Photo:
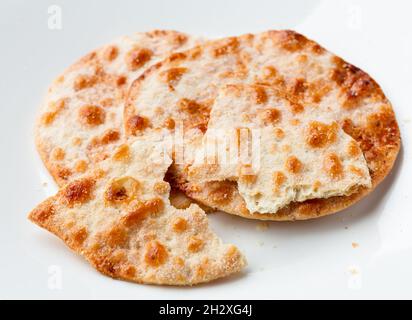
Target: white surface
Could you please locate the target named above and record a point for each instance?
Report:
(313, 259)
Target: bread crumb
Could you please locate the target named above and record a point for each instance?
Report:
(355, 245)
(44, 184)
(353, 271)
(262, 226)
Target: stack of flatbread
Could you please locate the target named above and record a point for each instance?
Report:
(147, 133)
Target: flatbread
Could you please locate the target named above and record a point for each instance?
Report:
(118, 216)
(183, 87)
(81, 121)
(275, 158)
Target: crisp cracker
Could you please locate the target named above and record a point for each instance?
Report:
(118, 216)
(186, 85)
(81, 121)
(275, 157)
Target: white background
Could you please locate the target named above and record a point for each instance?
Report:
(313, 259)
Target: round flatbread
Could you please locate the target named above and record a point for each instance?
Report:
(180, 92)
(81, 121)
(114, 207)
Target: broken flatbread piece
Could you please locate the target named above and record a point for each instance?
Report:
(286, 159)
(119, 218)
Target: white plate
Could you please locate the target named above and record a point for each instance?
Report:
(313, 259)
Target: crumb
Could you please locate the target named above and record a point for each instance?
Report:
(353, 271)
(355, 245)
(274, 247)
(44, 184)
(346, 228)
(262, 226)
(261, 243)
